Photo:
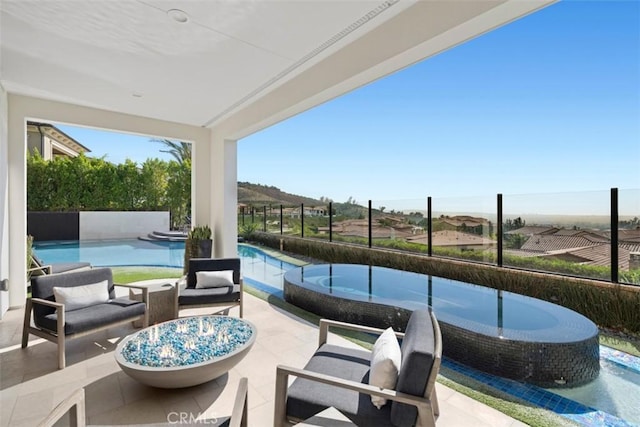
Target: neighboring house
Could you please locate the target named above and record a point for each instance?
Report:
(308, 211)
(51, 142)
(530, 230)
(579, 246)
(457, 239)
(467, 221)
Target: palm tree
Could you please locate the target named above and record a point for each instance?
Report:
(181, 151)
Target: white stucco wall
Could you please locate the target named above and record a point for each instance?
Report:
(121, 225)
(4, 194)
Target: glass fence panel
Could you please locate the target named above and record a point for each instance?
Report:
(465, 228)
(291, 220)
(350, 222)
(271, 223)
(566, 233)
(316, 221)
(400, 224)
(629, 236)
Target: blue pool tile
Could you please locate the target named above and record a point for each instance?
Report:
(567, 408)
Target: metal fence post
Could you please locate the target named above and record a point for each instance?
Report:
(429, 228)
(614, 236)
(281, 218)
(330, 221)
(301, 219)
(264, 218)
(370, 226)
(499, 230)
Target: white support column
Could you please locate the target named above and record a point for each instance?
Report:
(224, 195)
(17, 156)
(201, 183)
(4, 199)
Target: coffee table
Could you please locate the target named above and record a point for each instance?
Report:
(185, 352)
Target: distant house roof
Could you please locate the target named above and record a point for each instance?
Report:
(595, 255)
(554, 242)
(530, 230)
(59, 136)
(469, 221)
(624, 235)
(452, 238)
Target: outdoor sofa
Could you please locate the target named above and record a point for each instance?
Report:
(83, 312)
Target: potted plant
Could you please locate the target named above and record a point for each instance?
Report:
(198, 244)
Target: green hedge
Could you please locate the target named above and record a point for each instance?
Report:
(608, 305)
(89, 184)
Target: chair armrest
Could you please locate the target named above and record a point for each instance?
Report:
(326, 323)
(282, 372)
(181, 283)
(61, 321)
(74, 405)
(53, 304)
(240, 405)
(144, 289)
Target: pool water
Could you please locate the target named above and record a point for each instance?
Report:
(477, 308)
(111, 253)
(616, 391)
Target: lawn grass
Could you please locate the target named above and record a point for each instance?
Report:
(135, 274)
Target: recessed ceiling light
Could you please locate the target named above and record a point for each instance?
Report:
(178, 15)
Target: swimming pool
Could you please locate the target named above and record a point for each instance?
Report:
(257, 265)
(503, 333)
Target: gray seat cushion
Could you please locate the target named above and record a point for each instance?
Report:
(306, 398)
(417, 348)
(94, 316)
(222, 294)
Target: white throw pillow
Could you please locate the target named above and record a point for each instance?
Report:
(385, 364)
(76, 297)
(214, 279)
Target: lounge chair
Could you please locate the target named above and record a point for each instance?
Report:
(87, 307)
(223, 292)
(38, 267)
(338, 377)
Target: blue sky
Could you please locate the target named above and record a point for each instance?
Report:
(547, 104)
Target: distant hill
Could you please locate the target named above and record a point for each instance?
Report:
(257, 194)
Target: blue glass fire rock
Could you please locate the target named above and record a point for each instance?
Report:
(187, 341)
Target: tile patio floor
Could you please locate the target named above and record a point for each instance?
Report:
(31, 385)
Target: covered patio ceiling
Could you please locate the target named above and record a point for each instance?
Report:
(238, 66)
(210, 72)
